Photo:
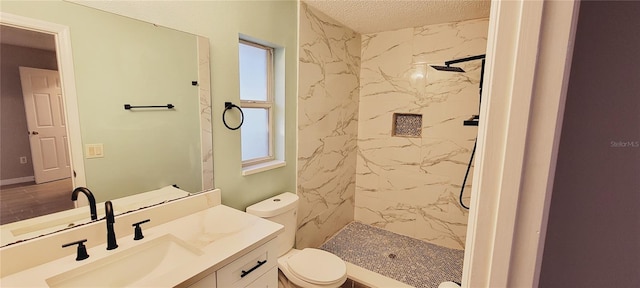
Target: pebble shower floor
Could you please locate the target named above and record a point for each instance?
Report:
(402, 258)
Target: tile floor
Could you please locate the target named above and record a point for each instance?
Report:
(29, 200)
(402, 258)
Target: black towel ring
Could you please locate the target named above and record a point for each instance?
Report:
(229, 106)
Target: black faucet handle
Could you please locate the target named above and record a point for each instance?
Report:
(138, 230)
(82, 250)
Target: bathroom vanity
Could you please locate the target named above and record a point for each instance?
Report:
(215, 246)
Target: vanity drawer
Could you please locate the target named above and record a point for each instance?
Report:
(249, 267)
(268, 280)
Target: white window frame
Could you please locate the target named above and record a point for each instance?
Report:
(267, 105)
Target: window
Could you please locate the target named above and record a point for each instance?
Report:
(256, 100)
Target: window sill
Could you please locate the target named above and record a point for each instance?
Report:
(253, 169)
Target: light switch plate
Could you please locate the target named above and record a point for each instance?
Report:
(94, 150)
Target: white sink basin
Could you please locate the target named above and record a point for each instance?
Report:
(130, 267)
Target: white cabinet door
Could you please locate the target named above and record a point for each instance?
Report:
(206, 282)
(268, 280)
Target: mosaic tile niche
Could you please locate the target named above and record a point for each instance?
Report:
(407, 125)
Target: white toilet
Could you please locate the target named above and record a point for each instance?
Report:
(309, 267)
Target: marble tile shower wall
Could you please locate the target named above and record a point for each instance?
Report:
(410, 186)
(329, 68)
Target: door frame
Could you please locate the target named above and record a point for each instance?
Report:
(529, 51)
(65, 68)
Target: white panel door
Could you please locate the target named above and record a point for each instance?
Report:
(44, 107)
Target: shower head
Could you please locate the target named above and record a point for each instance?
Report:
(447, 68)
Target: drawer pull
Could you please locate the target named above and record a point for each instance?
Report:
(245, 273)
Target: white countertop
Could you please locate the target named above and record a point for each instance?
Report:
(222, 233)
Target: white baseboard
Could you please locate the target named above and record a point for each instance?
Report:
(17, 180)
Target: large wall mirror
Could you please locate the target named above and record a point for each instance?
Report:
(117, 153)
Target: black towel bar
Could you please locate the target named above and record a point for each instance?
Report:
(129, 107)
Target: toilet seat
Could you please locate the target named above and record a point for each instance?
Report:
(317, 267)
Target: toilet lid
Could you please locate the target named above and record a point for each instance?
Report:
(317, 266)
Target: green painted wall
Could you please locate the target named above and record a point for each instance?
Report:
(222, 22)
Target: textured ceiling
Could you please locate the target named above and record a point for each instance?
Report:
(370, 16)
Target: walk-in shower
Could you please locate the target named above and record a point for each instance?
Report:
(473, 121)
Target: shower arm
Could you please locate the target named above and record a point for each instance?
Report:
(471, 58)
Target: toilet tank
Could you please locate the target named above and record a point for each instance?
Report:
(282, 209)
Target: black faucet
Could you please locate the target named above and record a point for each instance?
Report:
(92, 200)
(110, 219)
